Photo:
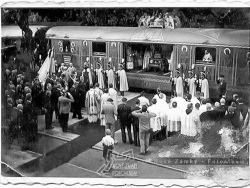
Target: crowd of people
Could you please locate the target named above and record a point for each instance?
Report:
(63, 91)
(55, 93)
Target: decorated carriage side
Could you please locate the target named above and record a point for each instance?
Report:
(151, 55)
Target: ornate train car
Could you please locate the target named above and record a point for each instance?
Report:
(150, 54)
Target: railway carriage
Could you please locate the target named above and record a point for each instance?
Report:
(149, 53)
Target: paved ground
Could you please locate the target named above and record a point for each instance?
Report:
(78, 154)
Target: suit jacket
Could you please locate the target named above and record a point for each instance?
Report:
(110, 111)
(124, 113)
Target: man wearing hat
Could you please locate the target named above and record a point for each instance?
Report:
(222, 86)
(204, 85)
(124, 115)
(178, 83)
(191, 83)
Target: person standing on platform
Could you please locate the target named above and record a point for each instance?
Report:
(204, 85)
(113, 94)
(108, 145)
(222, 86)
(192, 83)
(111, 76)
(92, 105)
(100, 79)
(123, 82)
(104, 99)
(49, 110)
(99, 93)
(124, 115)
(64, 105)
(135, 123)
(77, 105)
(83, 86)
(178, 83)
(174, 119)
(144, 127)
(109, 110)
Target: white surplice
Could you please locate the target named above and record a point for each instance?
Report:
(123, 80)
(205, 88)
(113, 95)
(188, 128)
(179, 85)
(192, 86)
(174, 119)
(99, 74)
(154, 121)
(111, 77)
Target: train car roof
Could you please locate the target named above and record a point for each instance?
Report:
(14, 31)
(198, 36)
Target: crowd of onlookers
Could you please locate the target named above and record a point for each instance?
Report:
(196, 17)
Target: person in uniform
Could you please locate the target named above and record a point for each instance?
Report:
(204, 85)
(222, 86)
(178, 81)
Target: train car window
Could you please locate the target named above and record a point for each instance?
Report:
(66, 46)
(151, 58)
(99, 48)
(205, 55)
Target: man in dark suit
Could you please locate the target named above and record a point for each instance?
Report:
(135, 123)
(222, 86)
(77, 105)
(124, 115)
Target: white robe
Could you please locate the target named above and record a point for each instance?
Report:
(123, 80)
(100, 78)
(92, 105)
(174, 120)
(188, 128)
(192, 86)
(194, 100)
(157, 97)
(164, 110)
(90, 76)
(154, 121)
(181, 103)
(111, 77)
(179, 85)
(113, 95)
(205, 88)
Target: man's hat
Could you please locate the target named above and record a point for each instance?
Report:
(177, 71)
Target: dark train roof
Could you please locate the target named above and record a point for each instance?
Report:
(197, 36)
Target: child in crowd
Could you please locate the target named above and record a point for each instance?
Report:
(108, 145)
